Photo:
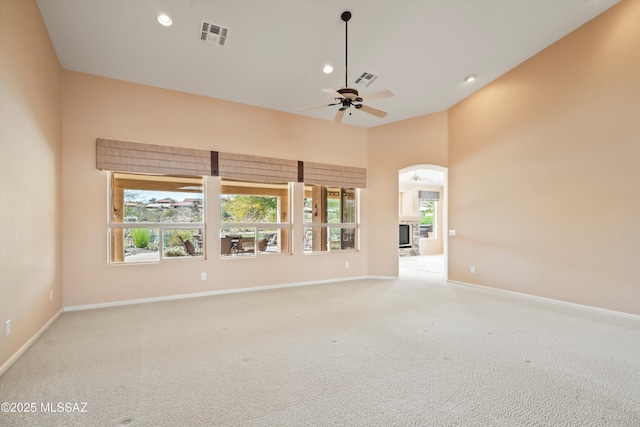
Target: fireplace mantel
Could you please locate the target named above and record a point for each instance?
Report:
(406, 219)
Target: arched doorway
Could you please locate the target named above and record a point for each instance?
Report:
(422, 219)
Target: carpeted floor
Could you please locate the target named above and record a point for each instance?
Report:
(409, 352)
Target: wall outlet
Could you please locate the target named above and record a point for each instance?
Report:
(203, 276)
(7, 328)
(51, 295)
(472, 268)
(346, 264)
(452, 232)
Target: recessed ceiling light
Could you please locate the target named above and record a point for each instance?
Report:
(164, 20)
(470, 78)
(327, 69)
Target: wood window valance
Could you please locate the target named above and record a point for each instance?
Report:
(124, 156)
(257, 169)
(335, 176)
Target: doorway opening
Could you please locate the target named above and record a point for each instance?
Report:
(422, 219)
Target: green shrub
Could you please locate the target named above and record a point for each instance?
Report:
(172, 237)
(427, 220)
(174, 251)
(141, 237)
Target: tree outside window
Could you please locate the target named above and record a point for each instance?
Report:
(254, 218)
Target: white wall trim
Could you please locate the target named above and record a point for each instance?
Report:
(6, 365)
(207, 294)
(383, 277)
(551, 301)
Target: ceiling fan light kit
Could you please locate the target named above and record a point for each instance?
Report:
(348, 97)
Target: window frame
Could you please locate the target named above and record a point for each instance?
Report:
(355, 226)
(161, 227)
(433, 234)
(282, 224)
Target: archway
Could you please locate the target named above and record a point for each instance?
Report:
(422, 218)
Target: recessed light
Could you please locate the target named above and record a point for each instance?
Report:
(165, 20)
(327, 69)
(470, 78)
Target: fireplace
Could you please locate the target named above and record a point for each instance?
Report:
(405, 233)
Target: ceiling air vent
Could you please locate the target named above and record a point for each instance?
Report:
(214, 34)
(366, 79)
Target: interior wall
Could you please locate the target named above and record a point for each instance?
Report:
(421, 140)
(30, 176)
(96, 107)
(544, 171)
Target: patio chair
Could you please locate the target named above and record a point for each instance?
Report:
(188, 246)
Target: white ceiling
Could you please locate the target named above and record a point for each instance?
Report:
(276, 49)
(420, 177)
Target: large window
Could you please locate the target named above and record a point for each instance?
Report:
(155, 217)
(428, 218)
(254, 219)
(429, 213)
(330, 218)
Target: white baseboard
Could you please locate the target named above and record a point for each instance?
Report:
(383, 277)
(6, 365)
(206, 294)
(551, 301)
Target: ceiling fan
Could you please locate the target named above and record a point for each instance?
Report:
(347, 97)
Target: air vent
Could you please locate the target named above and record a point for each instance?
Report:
(214, 34)
(366, 79)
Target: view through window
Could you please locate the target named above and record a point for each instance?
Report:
(254, 218)
(428, 213)
(330, 217)
(155, 217)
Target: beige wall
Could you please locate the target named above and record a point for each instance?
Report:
(96, 107)
(30, 175)
(418, 141)
(544, 171)
(543, 177)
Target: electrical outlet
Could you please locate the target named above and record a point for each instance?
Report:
(7, 328)
(203, 276)
(346, 264)
(472, 268)
(51, 295)
(452, 232)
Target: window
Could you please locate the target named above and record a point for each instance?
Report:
(254, 219)
(330, 218)
(427, 218)
(428, 213)
(155, 217)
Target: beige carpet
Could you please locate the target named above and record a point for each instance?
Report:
(411, 352)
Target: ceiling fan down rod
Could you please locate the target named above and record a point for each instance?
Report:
(346, 15)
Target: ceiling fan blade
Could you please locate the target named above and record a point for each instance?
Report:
(317, 106)
(338, 116)
(374, 111)
(333, 93)
(376, 95)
